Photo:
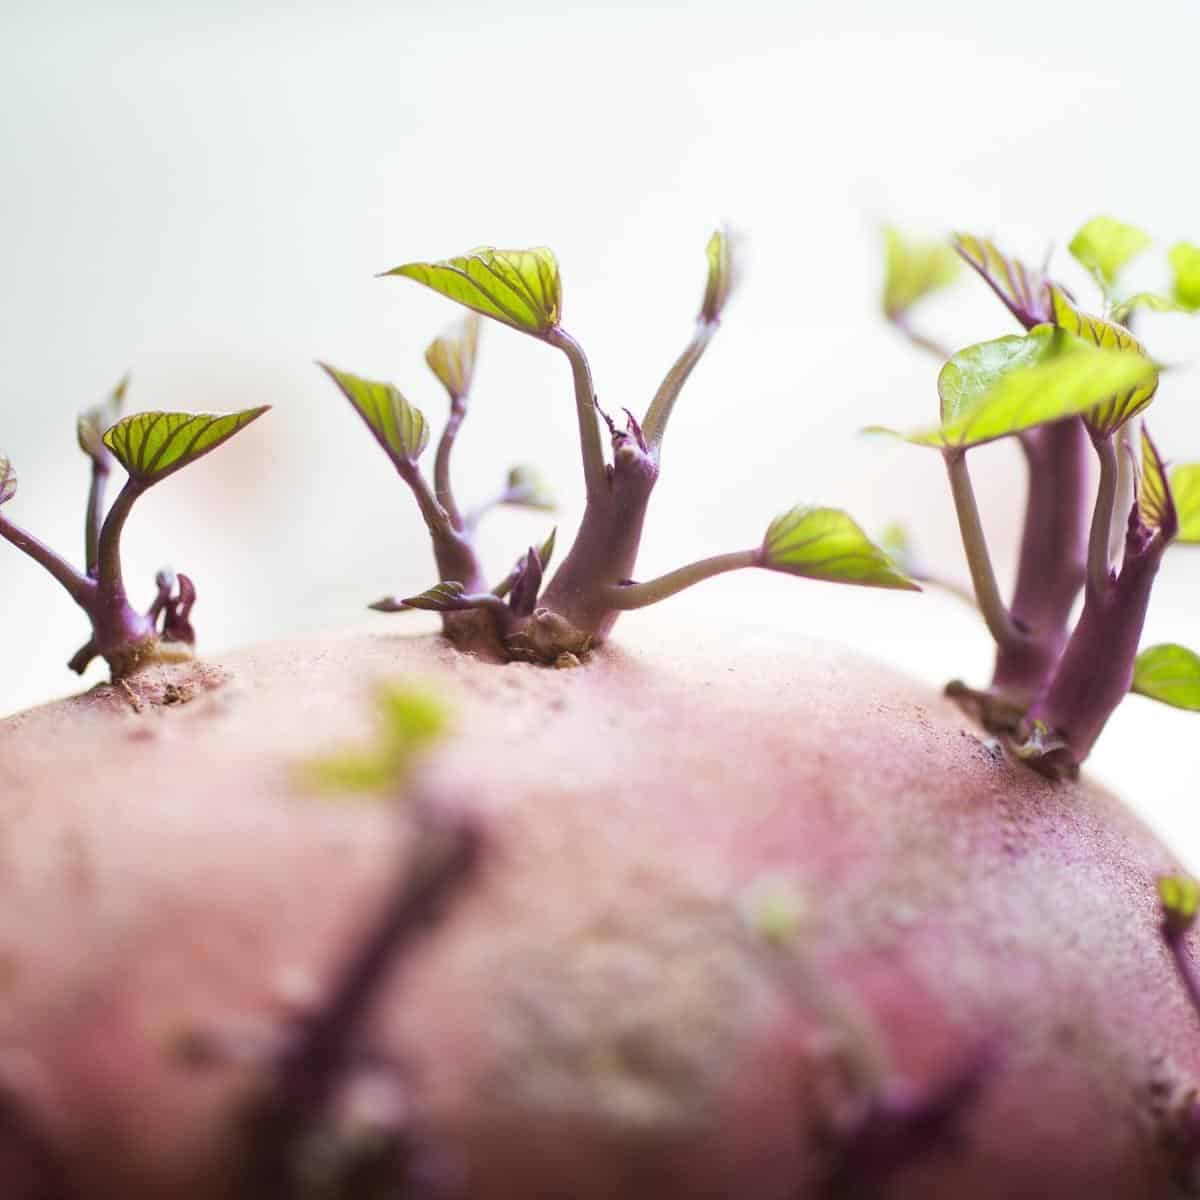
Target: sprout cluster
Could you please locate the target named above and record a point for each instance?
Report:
(1070, 381)
(529, 615)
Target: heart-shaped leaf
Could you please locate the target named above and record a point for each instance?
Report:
(92, 423)
(1104, 245)
(398, 427)
(8, 481)
(1185, 265)
(724, 273)
(519, 287)
(1155, 503)
(914, 269)
(442, 597)
(1185, 487)
(153, 445)
(451, 357)
(825, 543)
(1124, 402)
(999, 388)
(1025, 292)
(1170, 674)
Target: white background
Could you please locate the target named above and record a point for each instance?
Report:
(203, 194)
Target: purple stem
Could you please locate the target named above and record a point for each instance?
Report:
(443, 492)
(1053, 559)
(95, 517)
(1096, 669)
(116, 624)
(81, 589)
(1188, 974)
(315, 1062)
(452, 549)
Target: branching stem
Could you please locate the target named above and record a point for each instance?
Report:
(654, 425)
(983, 578)
(82, 591)
(1102, 516)
(637, 595)
(591, 445)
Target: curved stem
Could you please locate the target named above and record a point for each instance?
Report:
(81, 590)
(987, 592)
(928, 344)
(112, 585)
(95, 518)
(1102, 516)
(441, 463)
(594, 474)
(637, 595)
(659, 413)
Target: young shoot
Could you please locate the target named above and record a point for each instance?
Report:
(150, 446)
(1070, 382)
(530, 616)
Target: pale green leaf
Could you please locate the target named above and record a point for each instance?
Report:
(1148, 300)
(1169, 674)
(411, 721)
(519, 287)
(442, 597)
(1156, 506)
(724, 273)
(1185, 486)
(1180, 897)
(1126, 401)
(153, 445)
(914, 269)
(1104, 245)
(1185, 264)
(451, 357)
(8, 481)
(93, 422)
(999, 388)
(398, 427)
(526, 488)
(1024, 291)
(825, 543)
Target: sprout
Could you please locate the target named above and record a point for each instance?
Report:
(1070, 381)
(150, 446)
(530, 615)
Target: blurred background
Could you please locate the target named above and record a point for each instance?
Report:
(203, 194)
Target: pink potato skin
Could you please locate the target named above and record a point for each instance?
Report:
(602, 1013)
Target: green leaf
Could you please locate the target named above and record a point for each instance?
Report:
(442, 597)
(1150, 300)
(1185, 263)
(999, 388)
(153, 445)
(1024, 291)
(825, 543)
(1185, 486)
(1180, 898)
(1156, 505)
(724, 273)
(8, 481)
(1103, 246)
(1127, 400)
(451, 357)
(546, 549)
(92, 423)
(1169, 674)
(519, 287)
(410, 722)
(527, 489)
(913, 270)
(398, 427)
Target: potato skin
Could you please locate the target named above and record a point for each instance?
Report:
(610, 1009)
